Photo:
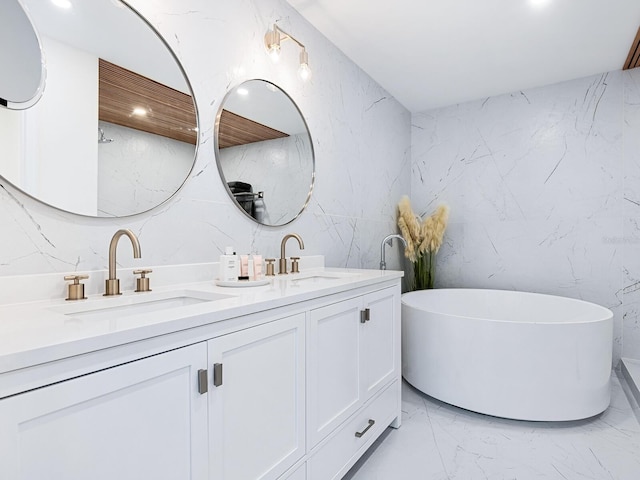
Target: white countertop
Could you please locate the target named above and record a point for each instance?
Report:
(43, 331)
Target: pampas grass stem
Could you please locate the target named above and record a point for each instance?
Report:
(424, 239)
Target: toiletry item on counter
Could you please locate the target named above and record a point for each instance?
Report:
(244, 267)
(257, 267)
(228, 269)
(250, 268)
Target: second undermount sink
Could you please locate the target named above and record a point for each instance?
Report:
(319, 277)
(136, 304)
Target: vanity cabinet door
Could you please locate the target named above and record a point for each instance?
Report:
(333, 353)
(353, 352)
(141, 420)
(257, 400)
(380, 340)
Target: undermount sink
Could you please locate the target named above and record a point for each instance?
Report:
(319, 277)
(136, 304)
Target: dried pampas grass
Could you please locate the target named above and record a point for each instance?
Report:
(438, 225)
(409, 228)
(424, 239)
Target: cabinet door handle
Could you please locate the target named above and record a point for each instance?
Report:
(365, 315)
(371, 424)
(217, 374)
(203, 379)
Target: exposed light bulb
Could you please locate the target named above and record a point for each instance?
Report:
(272, 42)
(539, 3)
(274, 52)
(304, 72)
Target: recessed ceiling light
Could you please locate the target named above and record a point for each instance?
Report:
(141, 112)
(62, 3)
(242, 91)
(539, 3)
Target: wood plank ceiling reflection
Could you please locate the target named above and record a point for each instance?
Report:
(170, 113)
(237, 130)
(633, 59)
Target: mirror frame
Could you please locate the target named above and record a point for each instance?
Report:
(217, 153)
(134, 11)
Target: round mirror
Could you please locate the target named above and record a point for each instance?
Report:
(23, 70)
(265, 153)
(115, 130)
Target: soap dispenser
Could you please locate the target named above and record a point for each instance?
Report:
(228, 267)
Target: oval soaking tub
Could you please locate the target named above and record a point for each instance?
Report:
(509, 354)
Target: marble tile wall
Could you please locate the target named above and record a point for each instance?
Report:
(544, 189)
(361, 140)
(631, 226)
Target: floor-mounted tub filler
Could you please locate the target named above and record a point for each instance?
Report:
(516, 355)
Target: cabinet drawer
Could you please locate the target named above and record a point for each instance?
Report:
(342, 449)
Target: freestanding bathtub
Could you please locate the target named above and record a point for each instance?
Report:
(517, 355)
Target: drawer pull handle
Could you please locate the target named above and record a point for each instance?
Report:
(371, 424)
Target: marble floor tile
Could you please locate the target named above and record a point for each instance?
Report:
(441, 442)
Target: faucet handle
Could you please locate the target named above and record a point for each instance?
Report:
(270, 267)
(142, 283)
(294, 265)
(76, 289)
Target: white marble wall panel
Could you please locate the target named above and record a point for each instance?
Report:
(361, 140)
(535, 184)
(631, 239)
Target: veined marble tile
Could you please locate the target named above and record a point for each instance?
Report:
(631, 144)
(631, 291)
(547, 153)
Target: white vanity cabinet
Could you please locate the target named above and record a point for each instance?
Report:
(353, 352)
(257, 401)
(297, 389)
(141, 420)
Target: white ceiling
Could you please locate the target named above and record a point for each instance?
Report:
(429, 53)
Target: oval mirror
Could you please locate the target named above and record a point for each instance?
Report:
(23, 86)
(115, 131)
(265, 153)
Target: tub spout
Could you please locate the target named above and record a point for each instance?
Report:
(388, 240)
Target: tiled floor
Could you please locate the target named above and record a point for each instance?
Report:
(441, 442)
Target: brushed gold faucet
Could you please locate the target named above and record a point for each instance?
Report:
(282, 270)
(112, 285)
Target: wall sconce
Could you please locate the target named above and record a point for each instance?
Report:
(272, 41)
